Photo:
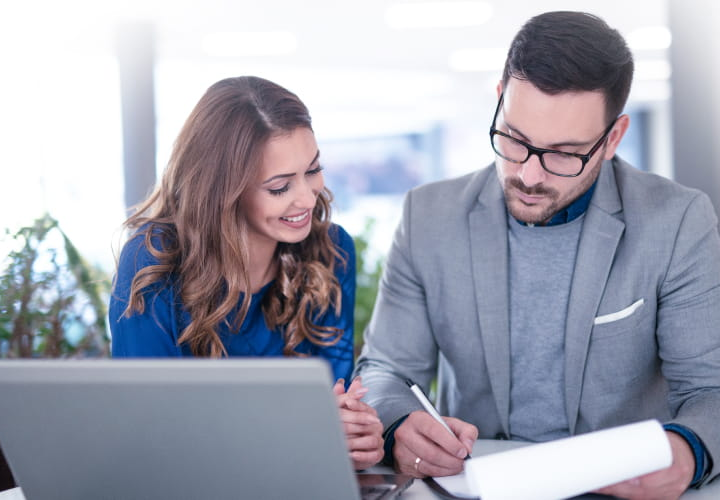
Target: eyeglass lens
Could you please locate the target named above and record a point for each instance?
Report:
(556, 162)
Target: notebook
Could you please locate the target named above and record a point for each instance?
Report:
(265, 428)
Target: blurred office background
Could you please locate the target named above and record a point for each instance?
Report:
(93, 94)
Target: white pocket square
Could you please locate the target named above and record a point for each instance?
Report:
(624, 313)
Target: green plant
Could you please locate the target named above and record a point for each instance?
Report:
(368, 280)
(52, 303)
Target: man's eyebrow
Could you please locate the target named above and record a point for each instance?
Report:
(285, 176)
(556, 145)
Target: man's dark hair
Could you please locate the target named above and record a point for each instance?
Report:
(572, 51)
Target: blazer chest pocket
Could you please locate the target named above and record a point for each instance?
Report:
(619, 322)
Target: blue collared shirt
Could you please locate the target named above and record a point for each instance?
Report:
(703, 462)
(572, 211)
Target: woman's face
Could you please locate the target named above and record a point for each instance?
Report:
(280, 204)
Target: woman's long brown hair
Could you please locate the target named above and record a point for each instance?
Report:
(193, 223)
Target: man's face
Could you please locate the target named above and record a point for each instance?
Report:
(571, 122)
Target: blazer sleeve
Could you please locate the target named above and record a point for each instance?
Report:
(399, 342)
(688, 327)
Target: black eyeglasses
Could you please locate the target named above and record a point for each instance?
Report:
(553, 161)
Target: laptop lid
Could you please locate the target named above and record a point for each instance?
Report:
(191, 428)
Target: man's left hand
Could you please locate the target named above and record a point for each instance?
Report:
(665, 484)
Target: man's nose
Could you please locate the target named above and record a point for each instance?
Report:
(532, 172)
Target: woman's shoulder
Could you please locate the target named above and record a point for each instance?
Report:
(346, 247)
(139, 251)
(341, 238)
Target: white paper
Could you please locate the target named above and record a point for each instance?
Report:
(570, 466)
(12, 494)
(456, 485)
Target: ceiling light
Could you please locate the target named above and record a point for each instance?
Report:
(650, 38)
(257, 43)
(438, 14)
(477, 59)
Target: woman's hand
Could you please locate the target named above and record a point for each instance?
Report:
(363, 429)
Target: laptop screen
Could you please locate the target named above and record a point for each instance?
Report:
(190, 428)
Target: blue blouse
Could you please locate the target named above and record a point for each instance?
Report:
(155, 332)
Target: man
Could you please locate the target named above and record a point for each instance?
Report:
(561, 291)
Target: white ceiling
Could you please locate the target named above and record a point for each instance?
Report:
(349, 61)
(350, 67)
(341, 33)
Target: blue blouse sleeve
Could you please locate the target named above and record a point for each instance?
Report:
(341, 355)
(153, 333)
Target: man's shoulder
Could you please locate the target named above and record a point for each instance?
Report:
(648, 197)
(630, 179)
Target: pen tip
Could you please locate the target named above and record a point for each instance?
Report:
(409, 382)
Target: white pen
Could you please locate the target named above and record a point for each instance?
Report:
(420, 395)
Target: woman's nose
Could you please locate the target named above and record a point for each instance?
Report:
(306, 196)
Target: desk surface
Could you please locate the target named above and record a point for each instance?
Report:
(421, 491)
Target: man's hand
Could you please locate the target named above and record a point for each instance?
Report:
(363, 429)
(423, 447)
(665, 484)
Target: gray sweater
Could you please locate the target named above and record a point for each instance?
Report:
(541, 261)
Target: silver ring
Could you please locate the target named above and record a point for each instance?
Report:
(417, 462)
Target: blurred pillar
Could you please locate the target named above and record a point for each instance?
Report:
(136, 60)
(695, 60)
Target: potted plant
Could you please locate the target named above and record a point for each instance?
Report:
(52, 303)
(368, 280)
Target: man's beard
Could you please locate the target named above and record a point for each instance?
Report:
(547, 193)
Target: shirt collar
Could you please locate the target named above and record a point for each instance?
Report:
(572, 211)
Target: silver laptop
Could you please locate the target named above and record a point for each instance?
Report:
(181, 429)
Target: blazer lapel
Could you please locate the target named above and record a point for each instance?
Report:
(488, 247)
(600, 235)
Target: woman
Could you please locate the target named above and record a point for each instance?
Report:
(234, 255)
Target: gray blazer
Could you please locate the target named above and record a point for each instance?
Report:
(642, 338)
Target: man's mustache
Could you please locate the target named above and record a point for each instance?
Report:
(531, 191)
